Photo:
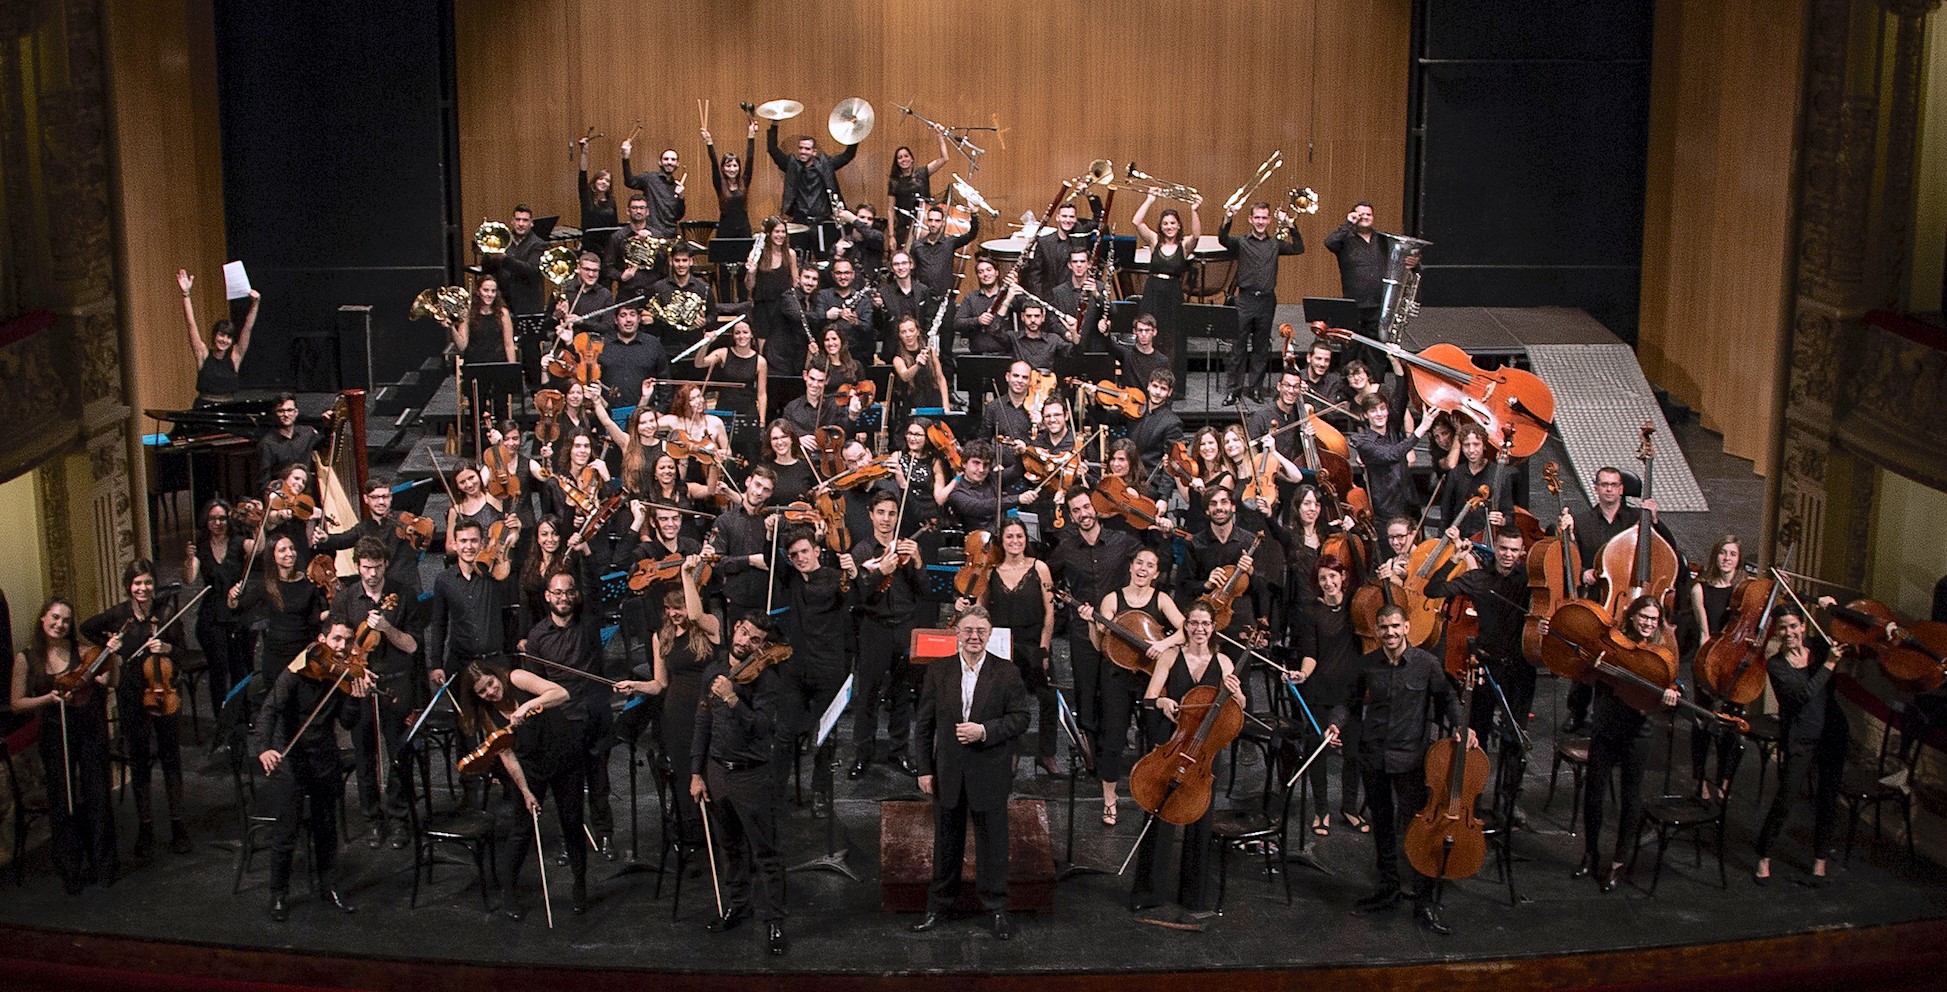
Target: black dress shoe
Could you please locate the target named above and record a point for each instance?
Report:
(821, 807)
(581, 896)
(280, 908)
(605, 846)
(1609, 880)
(336, 901)
(1377, 900)
(927, 922)
(1003, 926)
(857, 770)
(728, 921)
(513, 911)
(906, 765)
(1230, 398)
(179, 838)
(399, 838)
(778, 944)
(144, 841)
(1429, 919)
(375, 839)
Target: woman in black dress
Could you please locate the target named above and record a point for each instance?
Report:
(73, 733)
(834, 358)
(1616, 743)
(1329, 660)
(597, 204)
(732, 184)
(217, 380)
(1710, 599)
(544, 761)
(1121, 688)
(217, 556)
(770, 273)
(689, 639)
(128, 629)
(285, 598)
(1813, 731)
(1021, 598)
(1169, 261)
(1198, 664)
(783, 454)
(739, 364)
(918, 380)
(917, 468)
(485, 334)
(908, 184)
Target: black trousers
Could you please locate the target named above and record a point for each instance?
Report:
(82, 842)
(1346, 757)
(1825, 762)
(223, 647)
(1085, 663)
(1250, 350)
(1122, 691)
(807, 691)
(1031, 661)
(1196, 876)
(386, 724)
(886, 681)
(517, 824)
(1606, 755)
(307, 774)
(950, 816)
(151, 739)
(597, 736)
(744, 816)
(1729, 744)
(1391, 798)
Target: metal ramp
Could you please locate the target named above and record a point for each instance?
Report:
(1601, 402)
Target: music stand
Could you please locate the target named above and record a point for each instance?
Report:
(975, 375)
(1122, 317)
(725, 251)
(1088, 366)
(1334, 311)
(544, 226)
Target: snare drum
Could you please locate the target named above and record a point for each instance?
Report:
(1005, 249)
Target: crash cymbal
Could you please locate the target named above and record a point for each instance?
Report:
(779, 110)
(850, 121)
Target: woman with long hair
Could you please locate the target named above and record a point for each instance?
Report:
(545, 761)
(292, 607)
(1170, 248)
(667, 489)
(473, 502)
(74, 735)
(1021, 598)
(217, 555)
(1709, 600)
(918, 378)
(834, 356)
(486, 332)
(770, 275)
(1814, 737)
(551, 554)
(783, 454)
(689, 639)
(732, 184)
(129, 629)
(1121, 688)
(739, 364)
(909, 184)
(917, 468)
(597, 204)
(217, 379)
(1616, 745)
(689, 418)
(1328, 653)
(641, 442)
(1199, 663)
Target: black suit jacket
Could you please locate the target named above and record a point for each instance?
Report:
(1000, 704)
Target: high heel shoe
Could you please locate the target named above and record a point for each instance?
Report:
(1108, 813)
(1582, 870)
(1609, 880)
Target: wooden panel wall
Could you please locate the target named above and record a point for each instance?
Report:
(162, 75)
(1194, 93)
(1717, 222)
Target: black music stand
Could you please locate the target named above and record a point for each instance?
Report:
(495, 385)
(1122, 317)
(1334, 311)
(976, 375)
(544, 226)
(725, 251)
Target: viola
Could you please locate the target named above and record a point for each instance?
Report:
(983, 555)
(940, 436)
(300, 505)
(1115, 497)
(1228, 583)
(574, 494)
(322, 664)
(598, 519)
(1913, 655)
(746, 671)
(865, 392)
(705, 450)
(1174, 780)
(582, 362)
(248, 514)
(852, 478)
(1126, 400)
(1554, 574)
(831, 450)
(498, 541)
(1638, 561)
(1446, 379)
(838, 537)
(1583, 644)
(1181, 465)
(548, 406)
(503, 476)
(654, 571)
(479, 761)
(1043, 467)
(1445, 839)
(323, 573)
(78, 681)
(365, 638)
(417, 531)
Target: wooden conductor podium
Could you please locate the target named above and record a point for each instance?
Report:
(906, 858)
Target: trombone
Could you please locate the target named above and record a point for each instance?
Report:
(1244, 192)
(1100, 173)
(1142, 182)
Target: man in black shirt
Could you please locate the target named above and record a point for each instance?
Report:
(584, 296)
(665, 193)
(1089, 561)
(1500, 599)
(681, 261)
(1009, 418)
(465, 621)
(1608, 517)
(630, 279)
(743, 545)
(1392, 693)
(402, 568)
(814, 409)
(1222, 543)
(1052, 251)
(1317, 377)
(632, 356)
(905, 296)
(390, 610)
(1034, 345)
(787, 350)
(810, 177)
(572, 640)
(1257, 296)
(818, 625)
(1078, 304)
(740, 726)
(1135, 362)
(1287, 406)
(973, 499)
(1386, 457)
(1362, 264)
(975, 319)
(309, 768)
(518, 268)
(289, 443)
(848, 307)
(860, 241)
(886, 620)
(1159, 426)
(933, 261)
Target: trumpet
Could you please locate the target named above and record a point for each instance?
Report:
(1142, 182)
(492, 237)
(1244, 192)
(558, 265)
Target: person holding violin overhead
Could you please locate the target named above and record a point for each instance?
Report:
(1813, 730)
(151, 733)
(1020, 596)
(402, 538)
(1122, 682)
(566, 645)
(1328, 653)
(891, 586)
(387, 613)
(74, 738)
(970, 711)
(544, 760)
(1616, 743)
(1390, 697)
(217, 380)
(739, 731)
(296, 744)
(283, 596)
(1199, 663)
(1710, 600)
(287, 443)
(682, 648)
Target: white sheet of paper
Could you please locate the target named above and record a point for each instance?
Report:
(236, 282)
(837, 708)
(1000, 643)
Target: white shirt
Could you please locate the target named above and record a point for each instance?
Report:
(969, 674)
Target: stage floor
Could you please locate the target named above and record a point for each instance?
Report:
(836, 927)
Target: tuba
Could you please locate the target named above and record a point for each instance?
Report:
(492, 237)
(446, 304)
(1399, 298)
(558, 265)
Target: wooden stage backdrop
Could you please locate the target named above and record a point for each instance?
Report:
(1193, 93)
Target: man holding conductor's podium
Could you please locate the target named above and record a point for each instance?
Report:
(971, 708)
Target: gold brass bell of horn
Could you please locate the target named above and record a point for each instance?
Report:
(558, 265)
(447, 303)
(492, 237)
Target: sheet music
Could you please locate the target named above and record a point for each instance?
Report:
(236, 282)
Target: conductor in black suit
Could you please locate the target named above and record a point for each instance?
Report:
(970, 712)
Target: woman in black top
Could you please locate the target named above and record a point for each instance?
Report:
(82, 845)
(1121, 688)
(782, 453)
(1021, 598)
(1170, 248)
(544, 761)
(732, 184)
(1198, 664)
(1329, 653)
(551, 553)
(291, 479)
(217, 556)
(291, 605)
(688, 641)
(128, 629)
(217, 379)
(739, 363)
(1709, 599)
(834, 357)
(917, 468)
(485, 334)
(1616, 742)
(597, 204)
(1474, 469)
(771, 272)
(918, 379)
(1813, 732)
(909, 183)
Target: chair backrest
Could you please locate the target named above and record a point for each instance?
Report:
(403, 762)
(1286, 757)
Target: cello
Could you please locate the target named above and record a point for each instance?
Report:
(1127, 637)
(1423, 614)
(1518, 517)
(1912, 655)
(1583, 644)
(1554, 574)
(1732, 664)
(1174, 780)
(1446, 379)
(1445, 839)
(1638, 561)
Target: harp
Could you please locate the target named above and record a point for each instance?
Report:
(341, 469)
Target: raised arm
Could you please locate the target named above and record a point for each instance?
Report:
(243, 336)
(1141, 220)
(937, 164)
(196, 346)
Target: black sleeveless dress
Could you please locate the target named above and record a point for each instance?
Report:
(680, 698)
(216, 379)
(743, 372)
(1021, 610)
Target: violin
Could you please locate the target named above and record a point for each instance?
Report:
(852, 478)
(582, 362)
(498, 541)
(548, 406)
(1912, 655)
(795, 512)
(940, 436)
(599, 518)
(1445, 839)
(1043, 467)
(683, 446)
(365, 638)
(503, 477)
(838, 537)
(831, 450)
(1638, 561)
(1583, 644)
(479, 761)
(654, 571)
(1115, 497)
(323, 573)
(1446, 379)
(1174, 780)
(300, 505)
(1554, 574)
(865, 392)
(1182, 466)
(1127, 637)
(322, 664)
(248, 514)
(983, 555)
(746, 671)
(1126, 400)
(1263, 486)
(417, 531)
(576, 496)
(1041, 385)
(1227, 584)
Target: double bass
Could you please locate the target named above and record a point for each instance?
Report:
(1638, 561)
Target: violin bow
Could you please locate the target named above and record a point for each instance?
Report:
(1255, 653)
(67, 759)
(710, 850)
(1780, 574)
(315, 710)
(1331, 735)
(559, 667)
(541, 858)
